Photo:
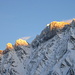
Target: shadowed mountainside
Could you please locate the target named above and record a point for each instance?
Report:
(50, 53)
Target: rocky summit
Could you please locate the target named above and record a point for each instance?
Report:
(50, 53)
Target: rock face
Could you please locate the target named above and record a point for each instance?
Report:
(50, 53)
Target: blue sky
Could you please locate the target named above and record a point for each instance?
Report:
(23, 18)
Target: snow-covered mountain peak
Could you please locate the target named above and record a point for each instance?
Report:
(50, 53)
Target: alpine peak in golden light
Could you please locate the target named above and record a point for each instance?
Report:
(21, 42)
(9, 46)
(58, 25)
(1, 51)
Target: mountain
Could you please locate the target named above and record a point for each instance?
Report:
(50, 53)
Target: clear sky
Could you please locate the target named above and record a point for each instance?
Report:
(23, 18)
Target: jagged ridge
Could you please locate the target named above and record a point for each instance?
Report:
(50, 53)
(9, 46)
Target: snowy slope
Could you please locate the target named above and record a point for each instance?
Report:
(50, 53)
